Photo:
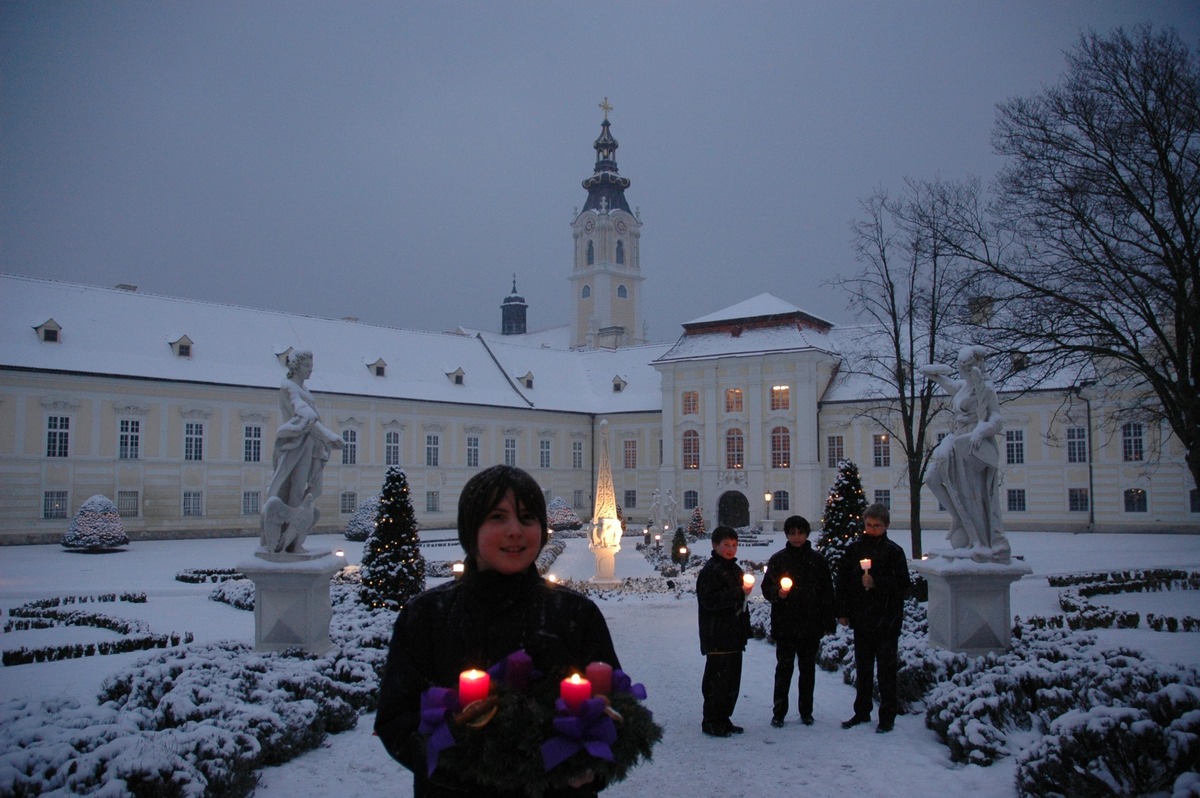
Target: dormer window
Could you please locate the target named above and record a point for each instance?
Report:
(527, 380)
(49, 332)
(378, 368)
(457, 376)
(618, 384)
(182, 347)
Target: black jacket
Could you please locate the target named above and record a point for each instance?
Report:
(724, 622)
(474, 623)
(807, 611)
(880, 609)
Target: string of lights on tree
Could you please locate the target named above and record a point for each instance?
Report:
(842, 520)
(393, 568)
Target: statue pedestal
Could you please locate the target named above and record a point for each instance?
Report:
(291, 599)
(969, 609)
(606, 542)
(768, 526)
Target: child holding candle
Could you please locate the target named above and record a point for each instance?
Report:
(871, 601)
(800, 589)
(724, 629)
(499, 606)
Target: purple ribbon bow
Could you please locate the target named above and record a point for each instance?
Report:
(436, 705)
(623, 684)
(589, 729)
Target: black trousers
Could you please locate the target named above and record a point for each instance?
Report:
(720, 686)
(787, 654)
(876, 650)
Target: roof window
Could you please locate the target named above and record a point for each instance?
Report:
(49, 332)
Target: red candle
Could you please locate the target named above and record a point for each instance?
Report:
(574, 691)
(473, 685)
(785, 583)
(748, 580)
(600, 675)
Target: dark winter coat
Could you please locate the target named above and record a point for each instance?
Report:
(724, 621)
(807, 611)
(880, 609)
(474, 623)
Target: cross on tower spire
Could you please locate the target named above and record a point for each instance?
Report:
(604, 106)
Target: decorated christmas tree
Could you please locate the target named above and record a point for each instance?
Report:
(393, 568)
(695, 527)
(96, 527)
(842, 520)
(363, 520)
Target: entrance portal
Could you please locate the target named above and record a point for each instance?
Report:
(733, 509)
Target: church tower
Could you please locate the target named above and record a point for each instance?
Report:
(512, 312)
(606, 281)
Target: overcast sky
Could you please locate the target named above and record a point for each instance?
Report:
(399, 161)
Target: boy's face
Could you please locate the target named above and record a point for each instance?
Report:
(727, 548)
(874, 527)
(796, 537)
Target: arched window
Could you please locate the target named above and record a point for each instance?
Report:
(783, 501)
(691, 449)
(734, 449)
(781, 448)
(587, 291)
(622, 292)
(620, 252)
(591, 258)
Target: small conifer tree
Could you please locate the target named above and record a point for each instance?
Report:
(96, 527)
(677, 543)
(842, 520)
(393, 568)
(560, 516)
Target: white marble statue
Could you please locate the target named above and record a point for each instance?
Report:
(965, 472)
(670, 520)
(302, 446)
(655, 511)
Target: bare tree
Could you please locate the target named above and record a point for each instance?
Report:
(1092, 241)
(906, 292)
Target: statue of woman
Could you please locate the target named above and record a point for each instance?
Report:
(965, 472)
(302, 446)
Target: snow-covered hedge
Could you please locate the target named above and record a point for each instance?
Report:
(96, 527)
(196, 720)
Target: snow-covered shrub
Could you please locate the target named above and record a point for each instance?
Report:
(362, 523)
(561, 516)
(96, 527)
(1116, 750)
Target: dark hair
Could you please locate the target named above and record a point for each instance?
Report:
(723, 533)
(879, 512)
(797, 522)
(484, 491)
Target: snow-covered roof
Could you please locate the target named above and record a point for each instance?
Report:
(129, 333)
(762, 305)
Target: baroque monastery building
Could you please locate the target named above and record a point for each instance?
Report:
(169, 407)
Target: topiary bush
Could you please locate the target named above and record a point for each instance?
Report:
(561, 517)
(97, 527)
(362, 523)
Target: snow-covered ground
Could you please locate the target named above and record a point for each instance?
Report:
(656, 640)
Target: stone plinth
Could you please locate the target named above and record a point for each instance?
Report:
(291, 599)
(768, 526)
(969, 608)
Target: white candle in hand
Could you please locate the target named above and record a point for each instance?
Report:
(865, 564)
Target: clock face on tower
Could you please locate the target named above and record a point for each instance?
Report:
(589, 226)
(621, 227)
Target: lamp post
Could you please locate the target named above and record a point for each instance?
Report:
(767, 499)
